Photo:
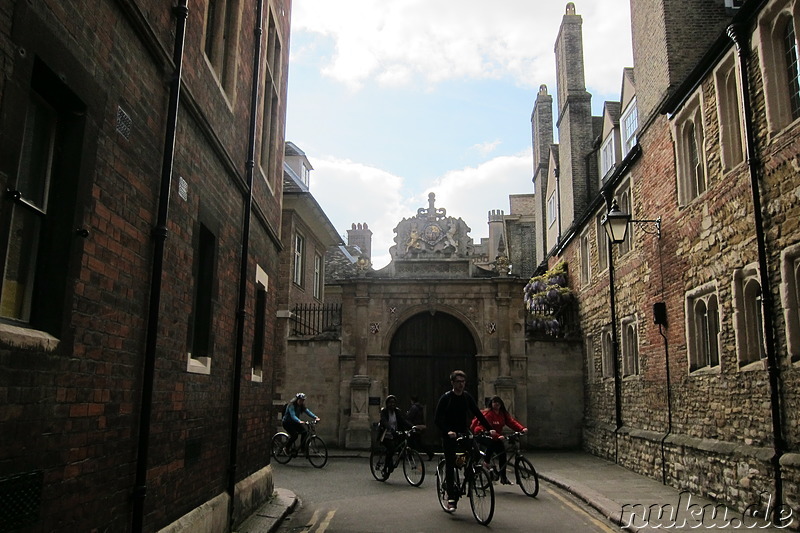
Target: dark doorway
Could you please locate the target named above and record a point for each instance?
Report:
(424, 350)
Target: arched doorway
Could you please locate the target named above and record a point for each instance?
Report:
(423, 352)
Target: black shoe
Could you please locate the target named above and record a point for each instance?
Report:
(430, 456)
(505, 481)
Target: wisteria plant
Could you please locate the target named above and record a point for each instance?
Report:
(547, 300)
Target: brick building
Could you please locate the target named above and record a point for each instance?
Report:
(691, 370)
(141, 148)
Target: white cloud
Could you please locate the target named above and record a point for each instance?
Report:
(407, 41)
(352, 192)
(487, 148)
(355, 193)
(470, 193)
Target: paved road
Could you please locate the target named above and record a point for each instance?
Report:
(343, 497)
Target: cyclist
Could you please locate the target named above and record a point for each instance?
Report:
(498, 417)
(292, 422)
(454, 411)
(392, 421)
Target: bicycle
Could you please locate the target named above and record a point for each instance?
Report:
(413, 465)
(470, 478)
(524, 472)
(315, 449)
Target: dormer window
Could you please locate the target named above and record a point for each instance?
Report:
(630, 123)
(607, 156)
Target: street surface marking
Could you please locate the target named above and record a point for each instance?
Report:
(603, 526)
(322, 525)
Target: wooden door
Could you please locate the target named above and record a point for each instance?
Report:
(424, 350)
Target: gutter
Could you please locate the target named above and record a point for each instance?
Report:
(159, 236)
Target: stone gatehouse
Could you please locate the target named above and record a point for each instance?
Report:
(440, 304)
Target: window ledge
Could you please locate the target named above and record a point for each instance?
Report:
(26, 338)
(199, 365)
(761, 364)
(256, 375)
(704, 371)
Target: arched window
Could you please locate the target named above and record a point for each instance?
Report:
(703, 332)
(754, 322)
(690, 151)
(630, 347)
(608, 355)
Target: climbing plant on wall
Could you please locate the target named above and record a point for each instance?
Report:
(549, 302)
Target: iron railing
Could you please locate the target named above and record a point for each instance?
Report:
(316, 319)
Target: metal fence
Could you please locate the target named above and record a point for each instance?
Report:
(316, 319)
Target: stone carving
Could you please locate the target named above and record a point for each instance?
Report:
(431, 234)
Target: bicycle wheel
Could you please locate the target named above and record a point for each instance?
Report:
(481, 496)
(376, 463)
(441, 490)
(413, 467)
(317, 452)
(278, 448)
(527, 478)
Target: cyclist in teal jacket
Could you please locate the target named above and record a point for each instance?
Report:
(292, 422)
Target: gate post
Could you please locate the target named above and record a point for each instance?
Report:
(357, 434)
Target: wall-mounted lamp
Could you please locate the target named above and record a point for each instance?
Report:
(616, 224)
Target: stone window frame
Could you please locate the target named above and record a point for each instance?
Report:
(589, 348)
(298, 265)
(268, 154)
(731, 138)
(552, 209)
(608, 156)
(698, 351)
(790, 299)
(586, 258)
(607, 351)
(318, 271)
(688, 132)
(771, 25)
(630, 117)
(259, 325)
(221, 42)
(748, 322)
(629, 333)
(602, 243)
(199, 356)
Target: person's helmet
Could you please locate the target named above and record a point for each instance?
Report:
(300, 396)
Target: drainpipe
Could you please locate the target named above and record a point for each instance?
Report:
(241, 313)
(738, 36)
(159, 236)
(556, 173)
(669, 403)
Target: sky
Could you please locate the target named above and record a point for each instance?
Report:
(393, 99)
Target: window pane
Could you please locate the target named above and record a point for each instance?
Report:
(37, 151)
(15, 301)
(790, 53)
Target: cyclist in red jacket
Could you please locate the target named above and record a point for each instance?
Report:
(498, 417)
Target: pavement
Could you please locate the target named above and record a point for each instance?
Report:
(627, 499)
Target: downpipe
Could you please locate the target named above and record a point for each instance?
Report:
(159, 236)
(738, 36)
(241, 314)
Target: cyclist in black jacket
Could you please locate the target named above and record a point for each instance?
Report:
(454, 412)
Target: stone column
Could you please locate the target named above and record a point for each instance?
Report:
(357, 434)
(358, 431)
(503, 300)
